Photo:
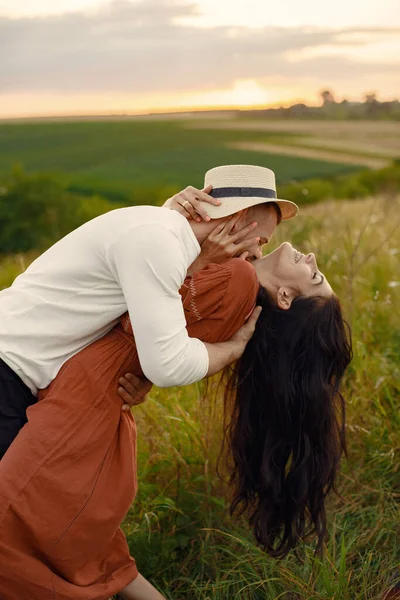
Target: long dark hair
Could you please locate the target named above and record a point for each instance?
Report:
(285, 420)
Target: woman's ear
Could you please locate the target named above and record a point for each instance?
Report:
(284, 298)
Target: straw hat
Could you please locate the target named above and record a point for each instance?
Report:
(241, 186)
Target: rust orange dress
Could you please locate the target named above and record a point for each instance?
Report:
(69, 477)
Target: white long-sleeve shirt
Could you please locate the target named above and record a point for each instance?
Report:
(133, 258)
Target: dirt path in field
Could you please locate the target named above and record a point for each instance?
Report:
(335, 128)
(316, 154)
(387, 148)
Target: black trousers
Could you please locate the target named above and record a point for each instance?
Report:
(15, 397)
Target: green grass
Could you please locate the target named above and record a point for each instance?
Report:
(178, 528)
(125, 159)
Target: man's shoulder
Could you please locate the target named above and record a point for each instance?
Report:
(158, 215)
(135, 216)
(146, 225)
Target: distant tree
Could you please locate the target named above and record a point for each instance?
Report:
(298, 110)
(370, 98)
(327, 97)
(371, 105)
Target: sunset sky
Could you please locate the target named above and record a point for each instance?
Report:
(91, 56)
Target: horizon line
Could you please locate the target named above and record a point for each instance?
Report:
(179, 110)
(156, 111)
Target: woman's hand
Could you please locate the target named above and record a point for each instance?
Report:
(133, 390)
(222, 244)
(190, 203)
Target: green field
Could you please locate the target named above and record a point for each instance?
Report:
(129, 158)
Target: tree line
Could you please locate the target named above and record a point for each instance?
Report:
(330, 108)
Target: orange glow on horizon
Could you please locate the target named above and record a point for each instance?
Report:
(244, 95)
(150, 111)
(239, 98)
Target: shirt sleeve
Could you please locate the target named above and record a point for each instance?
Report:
(150, 265)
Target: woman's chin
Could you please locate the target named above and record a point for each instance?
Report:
(286, 247)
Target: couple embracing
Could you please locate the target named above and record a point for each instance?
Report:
(170, 295)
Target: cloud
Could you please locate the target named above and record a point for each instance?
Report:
(142, 47)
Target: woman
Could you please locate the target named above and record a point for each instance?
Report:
(70, 476)
(285, 426)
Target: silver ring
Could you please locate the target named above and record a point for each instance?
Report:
(186, 202)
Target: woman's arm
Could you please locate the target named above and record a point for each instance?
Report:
(224, 243)
(191, 202)
(140, 589)
(133, 390)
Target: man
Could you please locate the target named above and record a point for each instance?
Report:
(133, 258)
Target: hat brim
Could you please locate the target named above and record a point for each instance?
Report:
(230, 206)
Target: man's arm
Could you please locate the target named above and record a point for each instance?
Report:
(140, 589)
(151, 265)
(133, 390)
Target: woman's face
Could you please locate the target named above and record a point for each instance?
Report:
(295, 273)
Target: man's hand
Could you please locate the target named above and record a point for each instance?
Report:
(245, 333)
(222, 244)
(190, 203)
(224, 353)
(133, 390)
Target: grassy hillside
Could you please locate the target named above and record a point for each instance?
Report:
(178, 528)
